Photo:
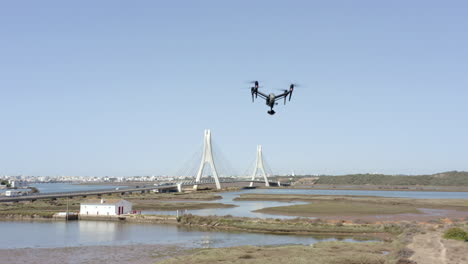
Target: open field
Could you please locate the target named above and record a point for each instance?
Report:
(324, 252)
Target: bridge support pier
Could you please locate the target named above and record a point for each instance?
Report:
(207, 158)
(279, 184)
(259, 166)
(179, 187)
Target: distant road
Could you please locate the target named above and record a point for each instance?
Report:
(55, 195)
(82, 193)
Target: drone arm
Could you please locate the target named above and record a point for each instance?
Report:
(279, 96)
(262, 95)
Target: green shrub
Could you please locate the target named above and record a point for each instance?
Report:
(456, 233)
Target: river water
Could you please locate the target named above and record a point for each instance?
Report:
(84, 233)
(89, 233)
(69, 187)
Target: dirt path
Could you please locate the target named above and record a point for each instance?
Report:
(431, 248)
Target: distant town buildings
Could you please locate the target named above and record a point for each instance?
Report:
(22, 180)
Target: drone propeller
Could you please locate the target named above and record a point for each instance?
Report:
(255, 83)
(291, 89)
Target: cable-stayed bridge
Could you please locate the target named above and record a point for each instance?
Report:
(191, 181)
(210, 158)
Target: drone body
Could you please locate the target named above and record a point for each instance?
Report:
(271, 98)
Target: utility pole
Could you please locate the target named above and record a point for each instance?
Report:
(66, 214)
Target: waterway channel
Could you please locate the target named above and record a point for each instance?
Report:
(247, 208)
(88, 233)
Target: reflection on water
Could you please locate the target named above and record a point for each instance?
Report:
(246, 208)
(242, 209)
(86, 233)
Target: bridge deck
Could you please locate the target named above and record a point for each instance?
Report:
(124, 190)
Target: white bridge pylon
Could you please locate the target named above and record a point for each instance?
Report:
(207, 158)
(259, 166)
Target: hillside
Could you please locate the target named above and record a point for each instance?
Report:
(452, 178)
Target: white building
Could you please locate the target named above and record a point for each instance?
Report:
(12, 193)
(105, 207)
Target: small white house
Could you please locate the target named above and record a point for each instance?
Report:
(12, 193)
(105, 207)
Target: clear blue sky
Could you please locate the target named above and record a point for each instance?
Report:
(122, 88)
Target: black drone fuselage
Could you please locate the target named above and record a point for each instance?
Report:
(271, 99)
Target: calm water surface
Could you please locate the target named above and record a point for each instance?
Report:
(88, 233)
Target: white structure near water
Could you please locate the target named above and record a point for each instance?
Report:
(12, 193)
(105, 207)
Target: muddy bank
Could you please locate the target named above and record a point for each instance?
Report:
(135, 254)
(368, 208)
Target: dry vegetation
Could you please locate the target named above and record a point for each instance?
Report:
(348, 205)
(288, 226)
(324, 252)
(390, 251)
(450, 178)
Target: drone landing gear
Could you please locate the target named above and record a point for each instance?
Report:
(271, 112)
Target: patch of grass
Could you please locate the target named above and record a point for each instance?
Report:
(285, 226)
(324, 252)
(456, 233)
(42, 208)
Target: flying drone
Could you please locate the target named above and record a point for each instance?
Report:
(271, 98)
